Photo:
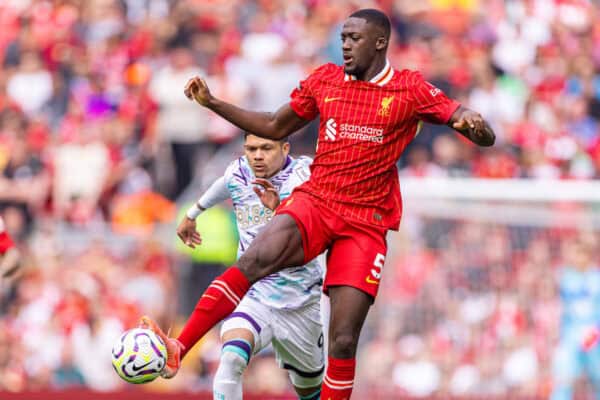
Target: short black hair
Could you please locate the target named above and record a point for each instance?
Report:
(282, 140)
(375, 17)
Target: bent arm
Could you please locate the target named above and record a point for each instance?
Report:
(277, 125)
(471, 125)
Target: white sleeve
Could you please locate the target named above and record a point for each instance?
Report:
(216, 193)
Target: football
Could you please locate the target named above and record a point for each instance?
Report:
(138, 356)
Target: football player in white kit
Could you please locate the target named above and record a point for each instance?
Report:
(282, 308)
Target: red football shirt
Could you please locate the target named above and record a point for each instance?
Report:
(364, 128)
(5, 240)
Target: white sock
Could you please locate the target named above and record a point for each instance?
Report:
(227, 384)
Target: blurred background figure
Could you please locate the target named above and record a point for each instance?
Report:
(577, 353)
(180, 125)
(9, 266)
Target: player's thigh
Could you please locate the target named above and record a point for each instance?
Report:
(277, 246)
(315, 224)
(249, 317)
(356, 258)
(298, 345)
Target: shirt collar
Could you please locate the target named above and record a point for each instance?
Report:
(383, 77)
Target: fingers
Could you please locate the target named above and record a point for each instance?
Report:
(264, 183)
(188, 88)
(461, 124)
(190, 238)
(192, 87)
(472, 122)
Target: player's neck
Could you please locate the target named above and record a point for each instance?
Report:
(376, 67)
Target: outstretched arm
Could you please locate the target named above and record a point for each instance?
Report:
(471, 125)
(277, 125)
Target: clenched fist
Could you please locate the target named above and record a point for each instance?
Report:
(197, 89)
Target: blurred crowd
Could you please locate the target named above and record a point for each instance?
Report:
(99, 147)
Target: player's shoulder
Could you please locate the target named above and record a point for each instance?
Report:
(237, 168)
(303, 162)
(407, 77)
(326, 72)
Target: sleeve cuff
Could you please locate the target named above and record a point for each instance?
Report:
(300, 112)
(452, 107)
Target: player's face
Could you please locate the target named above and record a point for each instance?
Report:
(266, 157)
(360, 43)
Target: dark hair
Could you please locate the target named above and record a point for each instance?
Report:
(375, 17)
(282, 140)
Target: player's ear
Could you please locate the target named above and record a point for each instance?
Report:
(286, 148)
(381, 43)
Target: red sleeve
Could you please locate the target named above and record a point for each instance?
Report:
(303, 98)
(431, 104)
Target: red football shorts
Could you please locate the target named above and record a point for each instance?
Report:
(356, 250)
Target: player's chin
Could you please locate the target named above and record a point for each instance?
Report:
(350, 69)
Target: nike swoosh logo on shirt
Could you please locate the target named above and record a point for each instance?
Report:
(328, 99)
(370, 280)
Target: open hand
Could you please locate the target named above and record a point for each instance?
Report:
(269, 196)
(197, 89)
(188, 234)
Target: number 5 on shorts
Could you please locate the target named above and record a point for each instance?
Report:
(376, 272)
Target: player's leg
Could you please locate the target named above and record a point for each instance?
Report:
(310, 393)
(282, 243)
(278, 245)
(355, 262)
(298, 345)
(567, 366)
(349, 308)
(238, 345)
(592, 366)
(244, 333)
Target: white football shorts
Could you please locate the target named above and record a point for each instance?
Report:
(296, 335)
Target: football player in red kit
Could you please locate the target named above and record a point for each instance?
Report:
(369, 112)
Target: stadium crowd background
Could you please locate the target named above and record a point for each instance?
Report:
(99, 148)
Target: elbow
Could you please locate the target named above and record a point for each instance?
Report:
(274, 131)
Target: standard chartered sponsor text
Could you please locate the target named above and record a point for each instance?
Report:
(361, 132)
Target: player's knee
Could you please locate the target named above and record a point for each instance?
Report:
(343, 345)
(306, 383)
(232, 363)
